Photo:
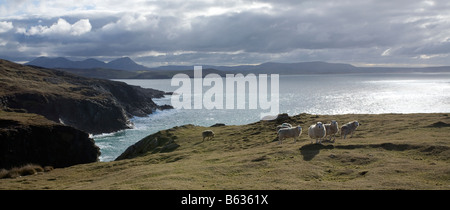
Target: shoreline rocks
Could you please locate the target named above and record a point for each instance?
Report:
(46, 115)
(92, 105)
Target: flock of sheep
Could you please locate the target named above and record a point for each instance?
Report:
(317, 131)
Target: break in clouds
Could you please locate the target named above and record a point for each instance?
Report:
(154, 33)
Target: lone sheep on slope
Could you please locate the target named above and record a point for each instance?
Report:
(284, 125)
(332, 129)
(293, 132)
(317, 131)
(208, 134)
(349, 128)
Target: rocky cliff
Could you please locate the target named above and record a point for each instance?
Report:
(92, 105)
(30, 138)
(159, 142)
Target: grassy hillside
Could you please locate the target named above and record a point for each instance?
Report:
(25, 118)
(388, 151)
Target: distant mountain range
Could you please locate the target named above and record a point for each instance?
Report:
(124, 63)
(125, 68)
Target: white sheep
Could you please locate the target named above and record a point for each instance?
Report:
(293, 132)
(284, 125)
(317, 131)
(332, 129)
(349, 128)
(208, 134)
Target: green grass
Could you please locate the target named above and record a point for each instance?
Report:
(17, 118)
(388, 151)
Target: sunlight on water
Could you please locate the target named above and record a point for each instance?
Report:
(314, 94)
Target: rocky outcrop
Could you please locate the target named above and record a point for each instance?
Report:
(30, 138)
(159, 142)
(92, 105)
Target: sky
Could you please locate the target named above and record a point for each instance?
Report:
(232, 32)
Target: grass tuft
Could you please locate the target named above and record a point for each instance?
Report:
(26, 170)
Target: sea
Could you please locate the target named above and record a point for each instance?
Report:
(365, 93)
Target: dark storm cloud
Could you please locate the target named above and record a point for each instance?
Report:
(233, 32)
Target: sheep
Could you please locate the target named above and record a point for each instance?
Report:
(317, 131)
(284, 125)
(332, 129)
(349, 128)
(207, 134)
(293, 132)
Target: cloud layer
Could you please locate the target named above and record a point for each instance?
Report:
(61, 28)
(395, 33)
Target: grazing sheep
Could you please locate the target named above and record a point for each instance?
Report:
(317, 131)
(284, 125)
(349, 128)
(293, 132)
(208, 134)
(332, 129)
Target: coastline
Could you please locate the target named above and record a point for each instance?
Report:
(388, 151)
